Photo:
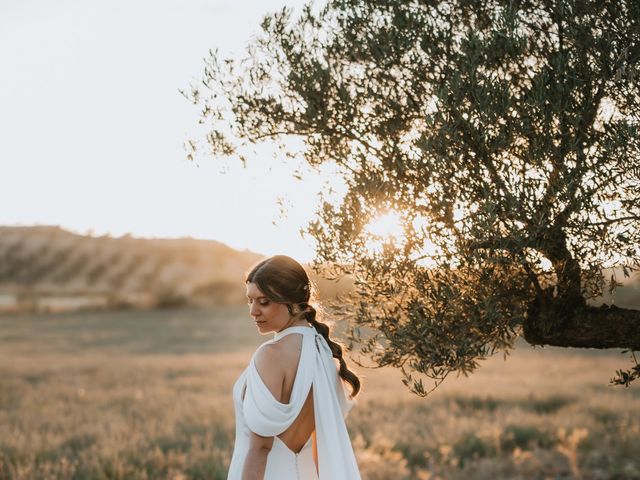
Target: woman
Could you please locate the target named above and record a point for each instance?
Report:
(290, 402)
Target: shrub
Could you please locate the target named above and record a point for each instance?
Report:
(524, 437)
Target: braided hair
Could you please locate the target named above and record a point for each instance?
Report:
(284, 280)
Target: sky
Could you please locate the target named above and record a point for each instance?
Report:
(93, 126)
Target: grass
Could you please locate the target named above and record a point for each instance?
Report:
(147, 395)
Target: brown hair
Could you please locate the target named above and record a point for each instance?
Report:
(284, 280)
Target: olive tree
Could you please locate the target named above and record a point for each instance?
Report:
(504, 134)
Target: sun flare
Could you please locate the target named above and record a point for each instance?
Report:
(388, 225)
(383, 229)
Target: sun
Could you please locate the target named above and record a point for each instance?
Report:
(386, 226)
(383, 229)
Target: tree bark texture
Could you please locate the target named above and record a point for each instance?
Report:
(587, 327)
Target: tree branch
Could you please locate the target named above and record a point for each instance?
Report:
(609, 221)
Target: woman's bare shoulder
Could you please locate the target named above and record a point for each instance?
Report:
(290, 347)
(280, 351)
(270, 366)
(276, 360)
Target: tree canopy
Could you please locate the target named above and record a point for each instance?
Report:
(504, 134)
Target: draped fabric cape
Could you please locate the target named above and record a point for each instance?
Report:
(268, 417)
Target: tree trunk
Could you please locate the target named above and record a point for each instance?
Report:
(587, 327)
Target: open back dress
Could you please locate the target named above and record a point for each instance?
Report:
(257, 410)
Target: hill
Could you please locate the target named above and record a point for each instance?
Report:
(49, 268)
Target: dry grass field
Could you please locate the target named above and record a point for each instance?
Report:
(147, 395)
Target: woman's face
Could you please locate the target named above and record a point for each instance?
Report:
(269, 316)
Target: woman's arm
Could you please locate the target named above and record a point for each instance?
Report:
(256, 461)
(267, 362)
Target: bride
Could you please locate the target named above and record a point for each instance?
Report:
(291, 401)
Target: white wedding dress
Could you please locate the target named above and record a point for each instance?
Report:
(261, 413)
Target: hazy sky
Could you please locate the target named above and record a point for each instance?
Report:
(92, 124)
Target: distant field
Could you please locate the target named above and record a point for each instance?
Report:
(147, 395)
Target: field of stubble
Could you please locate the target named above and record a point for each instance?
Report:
(147, 395)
